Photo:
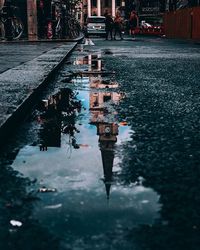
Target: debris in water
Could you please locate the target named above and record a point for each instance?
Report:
(84, 145)
(145, 201)
(47, 190)
(54, 206)
(16, 223)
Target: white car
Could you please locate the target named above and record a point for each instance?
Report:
(96, 25)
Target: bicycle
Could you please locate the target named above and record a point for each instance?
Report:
(73, 27)
(68, 27)
(11, 26)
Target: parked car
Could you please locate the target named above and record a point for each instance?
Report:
(151, 29)
(96, 25)
(145, 25)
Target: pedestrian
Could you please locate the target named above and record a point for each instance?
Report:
(118, 25)
(133, 23)
(109, 26)
(85, 16)
(106, 13)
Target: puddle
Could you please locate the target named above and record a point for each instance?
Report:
(77, 157)
(95, 66)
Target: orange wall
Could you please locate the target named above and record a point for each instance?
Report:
(183, 23)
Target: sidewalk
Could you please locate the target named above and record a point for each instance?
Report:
(24, 70)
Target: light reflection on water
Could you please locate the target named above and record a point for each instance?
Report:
(89, 200)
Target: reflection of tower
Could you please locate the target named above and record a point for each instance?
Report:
(98, 102)
(107, 138)
(107, 129)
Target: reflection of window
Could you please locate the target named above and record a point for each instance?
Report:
(95, 65)
(94, 3)
(96, 102)
(106, 98)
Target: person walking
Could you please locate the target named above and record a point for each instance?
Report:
(118, 25)
(133, 23)
(109, 26)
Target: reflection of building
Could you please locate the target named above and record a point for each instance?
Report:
(104, 119)
(103, 95)
(93, 61)
(102, 84)
(56, 115)
(98, 99)
(107, 138)
(50, 132)
(107, 134)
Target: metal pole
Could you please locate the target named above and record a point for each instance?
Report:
(32, 19)
(99, 7)
(113, 8)
(89, 7)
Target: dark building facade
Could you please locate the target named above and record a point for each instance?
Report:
(150, 10)
(172, 5)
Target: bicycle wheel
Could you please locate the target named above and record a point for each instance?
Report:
(71, 33)
(58, 31)
(17, 28)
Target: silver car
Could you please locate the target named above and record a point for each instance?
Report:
(96, 25)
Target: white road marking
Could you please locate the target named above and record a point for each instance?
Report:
(89, 42)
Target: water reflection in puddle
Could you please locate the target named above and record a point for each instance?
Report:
(94, 62)
(77, 156)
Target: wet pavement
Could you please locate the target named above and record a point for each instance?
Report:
(14, 54)
(19, 84)
(109, 158)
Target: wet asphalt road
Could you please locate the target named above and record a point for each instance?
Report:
(154, 196)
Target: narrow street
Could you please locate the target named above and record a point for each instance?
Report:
(109, 157)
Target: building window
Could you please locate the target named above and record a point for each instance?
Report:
(106, 3)
(118, 3)
(94, 3)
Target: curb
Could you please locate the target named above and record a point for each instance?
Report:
(8, 127)
(80, 38)
(180, 40)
